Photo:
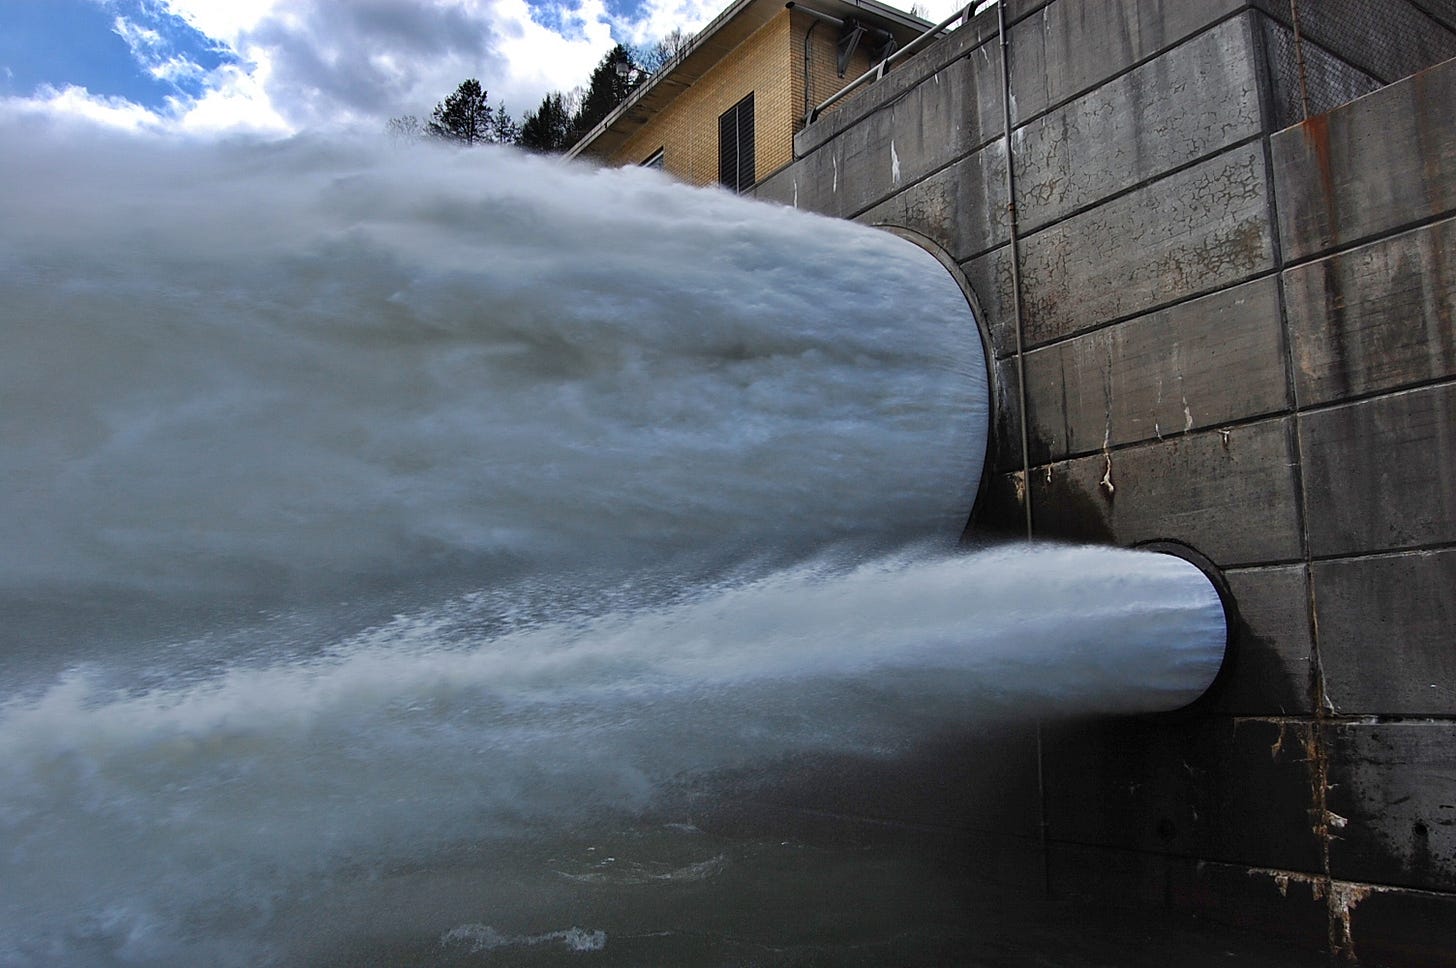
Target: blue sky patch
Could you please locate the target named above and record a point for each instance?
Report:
(81, 42)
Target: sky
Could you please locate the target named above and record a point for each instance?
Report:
(208, 68)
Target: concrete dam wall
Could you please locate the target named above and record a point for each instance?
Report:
(1230, 289)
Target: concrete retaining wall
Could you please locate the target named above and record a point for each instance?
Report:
(1237, 335)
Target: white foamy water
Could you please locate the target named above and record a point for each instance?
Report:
(254, 370)
(381, 527)
(180, 824)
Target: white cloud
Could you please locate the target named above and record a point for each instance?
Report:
(237, 105)
(317, 64)
(71, 103)
(299, 65)
(144, 42)
(224, 22)
(657, 18)
(235, 100)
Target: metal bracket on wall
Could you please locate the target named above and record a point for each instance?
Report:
(849, 37)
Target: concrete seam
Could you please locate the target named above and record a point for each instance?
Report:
(1435, 546)
(1355, 399)
(1344, 248)
(1111, 448)
(908, 185)
(1430, 548)
(1182, 166)
(1342, 886)
(1317, 754)
(1364, 719)
(1172, 44)
(1243, 421)
(1084, 209)
(1145, 183)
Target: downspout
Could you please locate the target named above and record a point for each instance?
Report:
(807, 80)
(1015, 241)
(1299, 57)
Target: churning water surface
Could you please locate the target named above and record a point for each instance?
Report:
(408, 555)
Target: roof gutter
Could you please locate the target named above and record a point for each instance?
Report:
(661, 76)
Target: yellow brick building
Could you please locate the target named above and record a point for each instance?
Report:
(726, 109)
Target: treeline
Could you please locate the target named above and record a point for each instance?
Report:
(468, 117)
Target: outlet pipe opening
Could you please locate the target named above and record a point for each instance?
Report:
(1228, 605)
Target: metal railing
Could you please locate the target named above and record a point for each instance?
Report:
(963, 15)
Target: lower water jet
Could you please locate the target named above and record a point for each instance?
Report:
(199, 821)
(389, 535)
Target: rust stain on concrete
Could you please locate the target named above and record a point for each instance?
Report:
(1316, 132)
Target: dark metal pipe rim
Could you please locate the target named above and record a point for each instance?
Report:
(1230, 605)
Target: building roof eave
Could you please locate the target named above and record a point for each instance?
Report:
(707, 47)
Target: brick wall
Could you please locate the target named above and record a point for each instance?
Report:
(687, 129)
(824, 76)
(770, 65)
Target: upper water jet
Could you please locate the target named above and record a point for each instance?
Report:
(279, 373)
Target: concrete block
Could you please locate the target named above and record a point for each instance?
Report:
(1392, 793)
(1196, 231)
(1267, 670)
(1380, 474)
(1071, 46)
(1379, 317)
(781, 187)
(1395, 927)
(1369, 168)
(1229, 895)
(1386, 633)
(1187, 103)
(962, 207)
(999, 514)
(1003, 452)
(990, 276)
(1199, 364)
(1228, 493)
(934, 123)
(1086, 872)
(1161, 785)
(811, 183)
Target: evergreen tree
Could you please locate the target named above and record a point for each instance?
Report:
(503, 128)
(607, 88)
(548, 129)
(464, 117)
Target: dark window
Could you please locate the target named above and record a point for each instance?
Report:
(735, 146)
(654, 160)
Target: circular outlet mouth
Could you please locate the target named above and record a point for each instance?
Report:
(1226, 600)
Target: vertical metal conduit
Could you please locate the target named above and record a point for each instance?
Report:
(1015, 263)
(808, 77)
(1021, 388)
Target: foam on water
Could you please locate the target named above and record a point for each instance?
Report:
(172, 823)
(389, 519)
(284, 370)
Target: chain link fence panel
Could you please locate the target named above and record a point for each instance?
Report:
(1324, 53)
